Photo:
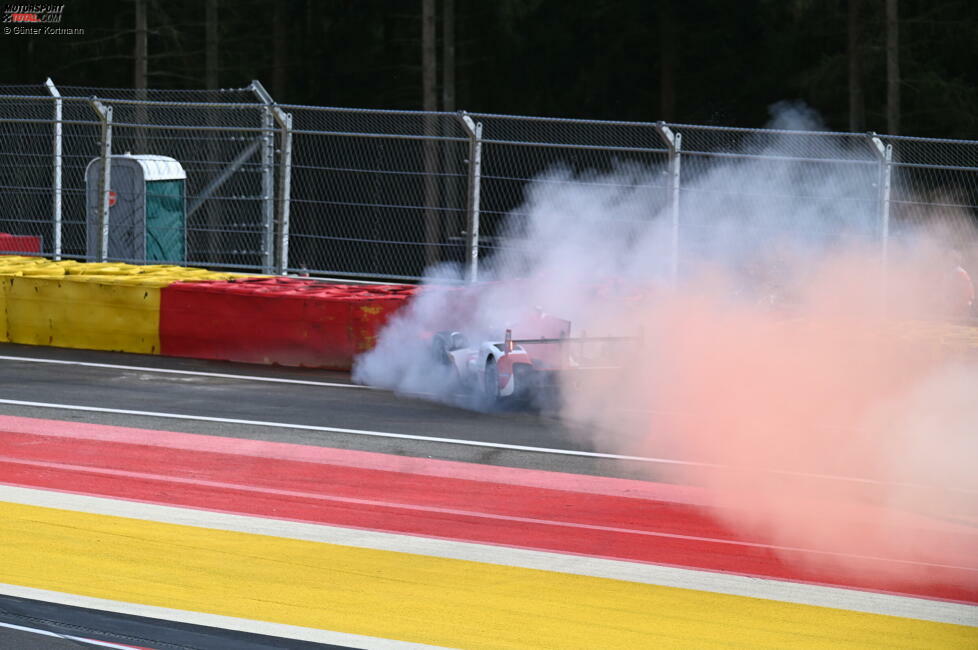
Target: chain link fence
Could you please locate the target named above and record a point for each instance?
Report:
(387, 194)
(376, 193)
(546, 157)
(49, 139)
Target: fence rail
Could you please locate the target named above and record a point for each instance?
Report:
(387, 194)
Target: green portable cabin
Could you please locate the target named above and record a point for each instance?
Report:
(148, 209)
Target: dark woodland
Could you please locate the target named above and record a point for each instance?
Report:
(891, 66)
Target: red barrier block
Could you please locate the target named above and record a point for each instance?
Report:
(19, 243)
(284, 321)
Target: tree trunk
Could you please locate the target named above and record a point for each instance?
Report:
(857, 105)
(312, 49)
(429, 101)
(211, 46)
(892, 68)
(454, 219)
(668, 56)
(215, 150)
(280, 45)
(448, 55)
(140, 55)
(140, 73)
(429, 60)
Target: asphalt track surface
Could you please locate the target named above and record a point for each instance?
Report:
(76, 627)
(329, 400)
(313, 408)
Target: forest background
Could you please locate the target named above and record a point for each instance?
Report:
(891, 66)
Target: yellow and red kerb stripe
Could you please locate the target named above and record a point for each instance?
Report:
(448, 554)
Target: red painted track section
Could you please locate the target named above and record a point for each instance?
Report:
(592, 516)
(285, 321)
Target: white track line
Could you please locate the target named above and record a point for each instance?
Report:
(222, 375)
(358, 432)
(644, 573)
(79, 639)
(249, 626)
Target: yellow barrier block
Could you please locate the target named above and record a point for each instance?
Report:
(4, 291)
(92, 315)
(99, 306)
(22, 258)
(96, 267)
(44, 270)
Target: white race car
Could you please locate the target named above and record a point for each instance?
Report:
(512, 368)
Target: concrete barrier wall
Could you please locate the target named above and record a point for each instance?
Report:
(189, 312)
(92, 306)
(286, 321)
(78, 313)
(5, 284)
(180, 311)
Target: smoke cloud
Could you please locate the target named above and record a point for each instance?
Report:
(783, 359)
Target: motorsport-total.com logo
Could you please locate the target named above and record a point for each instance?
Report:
(20, 13)
(35, 19)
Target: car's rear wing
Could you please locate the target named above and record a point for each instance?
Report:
(509, 342)
(571, 352)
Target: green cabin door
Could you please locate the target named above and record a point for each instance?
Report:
(165, 222)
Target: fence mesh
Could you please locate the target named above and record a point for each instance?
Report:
(529, 163)
(742, 188)
(936, 185)
(27, 141)
(387, 194)
(219, 147)
(376, 193)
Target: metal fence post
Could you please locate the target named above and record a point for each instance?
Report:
(105, 148)
(56, 171)
(884, 154)
(674, 141)
(284, 189)
(267, 176)
(474, 130)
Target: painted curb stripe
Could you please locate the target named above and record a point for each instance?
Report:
(133, 483)
(405, 596)
(651, 574)
(588, 524)
(355, 459)
(629, 529)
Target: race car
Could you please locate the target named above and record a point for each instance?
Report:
(508, 367)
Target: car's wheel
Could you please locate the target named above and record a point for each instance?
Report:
(490, 381)
(524, 379)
